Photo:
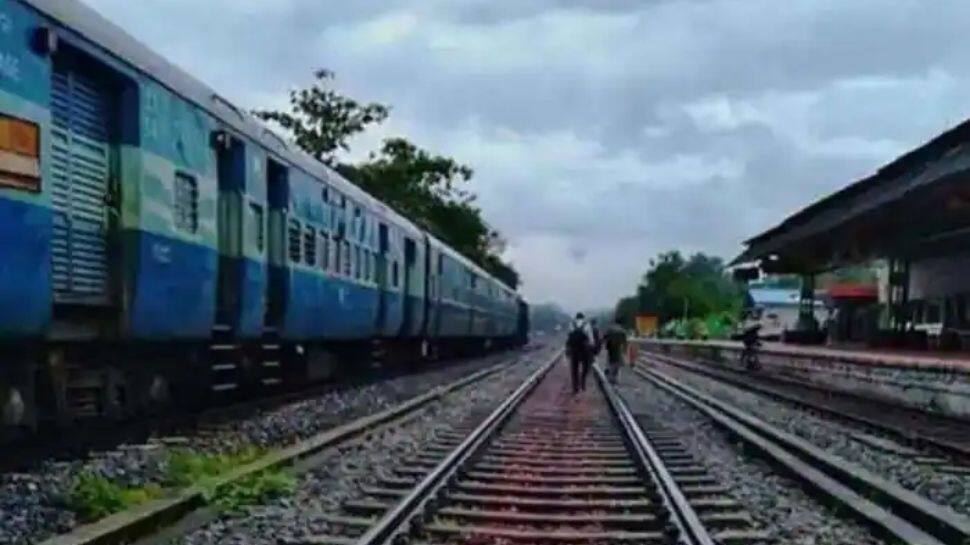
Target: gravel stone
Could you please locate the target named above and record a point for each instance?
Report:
(34, 504)
(777, 503)
(841, 438)
(338, 478)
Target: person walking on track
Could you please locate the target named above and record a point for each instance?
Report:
(616, 347)
(579, 348)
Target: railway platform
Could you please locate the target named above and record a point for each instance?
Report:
(938, 383)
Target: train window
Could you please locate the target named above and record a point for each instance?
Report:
(373, 267)
(347, 259)
(324, 250)
(186, 206)
(310, 246)
(257, 226)
(293, 239)
(394, 274)
(365, 261)
(20, 140)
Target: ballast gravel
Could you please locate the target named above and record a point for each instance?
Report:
(777, 503)
(341, 472)
(847, 441)
(34, 504)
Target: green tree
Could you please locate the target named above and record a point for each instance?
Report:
(675, 288)
(425, 187)
(322, 121)
(626, 310)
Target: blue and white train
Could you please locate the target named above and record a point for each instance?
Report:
(158, 243)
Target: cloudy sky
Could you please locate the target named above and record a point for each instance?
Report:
(605, 131)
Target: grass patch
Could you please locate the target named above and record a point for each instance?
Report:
(188, 468)
(253, 490)
(94, 496)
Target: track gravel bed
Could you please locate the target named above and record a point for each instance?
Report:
(778, 504)
(34, 505)
(849, 441)
(339, 473)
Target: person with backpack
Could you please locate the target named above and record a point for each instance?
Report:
(580, 351)
(615, 340)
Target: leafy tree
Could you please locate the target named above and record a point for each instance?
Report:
(696, 288)
(627, 309)
(322, 120)
(425, 187)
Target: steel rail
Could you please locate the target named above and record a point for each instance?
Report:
(149, 518)
(685, 518)
(890, 509)
(398, 519)
(911, 435)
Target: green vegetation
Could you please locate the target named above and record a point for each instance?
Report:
(189, 468)
(186, 467)
(94, 496)
(693, 298)
(419, 184)
(252, 490)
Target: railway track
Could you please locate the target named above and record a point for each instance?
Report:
(916, 430)
(546, 466)
(184, 510)
(892, 512)
(81, 440)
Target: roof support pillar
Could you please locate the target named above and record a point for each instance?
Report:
(806, 305)
(898, 293)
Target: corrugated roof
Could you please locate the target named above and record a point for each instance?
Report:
(891, 182)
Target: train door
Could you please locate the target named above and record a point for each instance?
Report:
(383, 245)
(429, 289)
(83, 194)
(230, 167)
(278, 199)
(409, 292)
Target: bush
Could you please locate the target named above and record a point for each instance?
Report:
(94, 496)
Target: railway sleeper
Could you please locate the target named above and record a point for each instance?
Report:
(533, 478)
(619, 521)
(641, 504)
(553, 491)
(476, 533)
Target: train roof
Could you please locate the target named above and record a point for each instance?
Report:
(91, 25)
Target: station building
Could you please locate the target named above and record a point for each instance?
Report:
(913, 217)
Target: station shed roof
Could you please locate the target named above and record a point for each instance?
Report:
(910, 207)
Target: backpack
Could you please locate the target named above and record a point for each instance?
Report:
(577, 340)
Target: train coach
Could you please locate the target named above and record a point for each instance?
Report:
(157, 243)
